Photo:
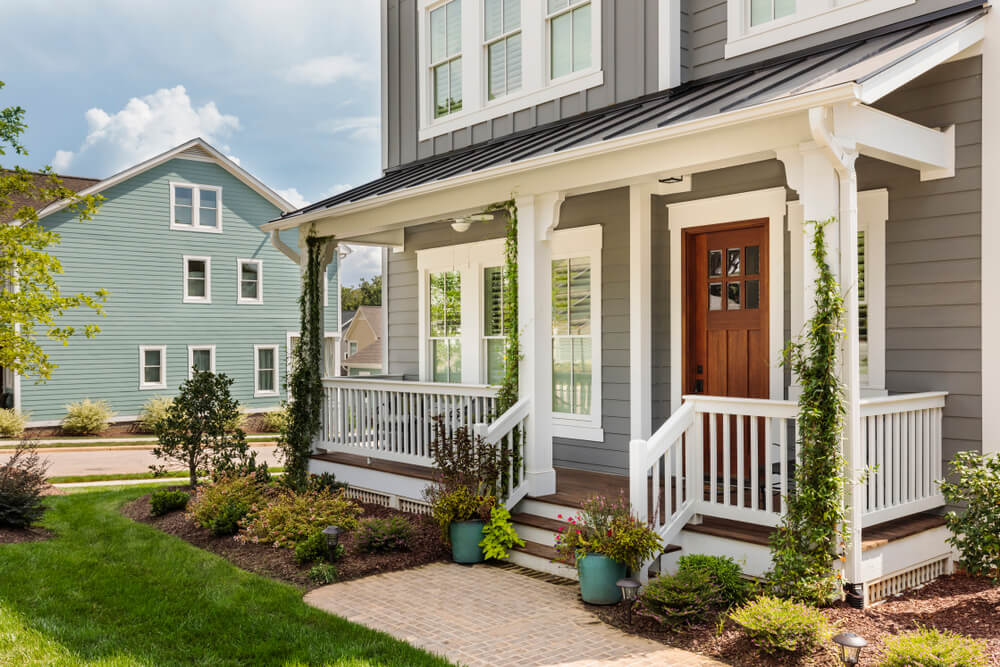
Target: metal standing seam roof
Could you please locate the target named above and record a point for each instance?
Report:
(856, 61)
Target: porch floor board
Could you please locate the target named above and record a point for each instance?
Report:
(574, 486)
(381, 465)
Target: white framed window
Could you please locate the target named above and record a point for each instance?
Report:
(197, 279)
(352, 347)
(445, 318)
(265, 370)
(195, 208)
(757, 24)
(446, 57)
(249, 281)
(570, 36)
(502, 35)
(202, 358)
(330, 354)
(152, 367)
(494, 327)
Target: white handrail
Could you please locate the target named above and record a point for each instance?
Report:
(509, 433)
(438, 388)
(880, 405)
(505, 422)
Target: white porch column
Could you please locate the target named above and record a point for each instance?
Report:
(990, 229)
(640, 311)
(537, 216)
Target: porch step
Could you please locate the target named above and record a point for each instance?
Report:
(540, 557)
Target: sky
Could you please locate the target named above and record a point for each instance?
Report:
(288, 89)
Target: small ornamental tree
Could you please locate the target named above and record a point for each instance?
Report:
(198, 429)
(804, 546)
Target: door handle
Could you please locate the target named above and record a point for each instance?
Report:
(699, 386)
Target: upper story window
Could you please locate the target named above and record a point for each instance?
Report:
(197, 279)
(195, 207)
(446, 57)
(503, 46)
(570, 37)
(764, 11)
(250, 281)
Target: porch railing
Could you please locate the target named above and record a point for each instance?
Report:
(735, 458)
(508, 432)
(394, 420)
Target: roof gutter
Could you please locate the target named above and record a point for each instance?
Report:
(846, 92)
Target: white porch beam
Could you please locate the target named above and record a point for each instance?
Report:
(893, 139)
(392, 238)
(537, 216)
(640, 312)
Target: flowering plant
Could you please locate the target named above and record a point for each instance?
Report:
(607, 527)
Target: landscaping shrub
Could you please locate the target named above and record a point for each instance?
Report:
(499, 536)
(274, 421)
(12, 423)
(221, 506)
(87, 417)
(384, 535)
(166, 501)
(931, 648)
(703, 586)
(975, 531)
(154, 413)
(326, 481)
(324, 573)
(312, 549)
(292, 517)
(778, 626)
(22, 480)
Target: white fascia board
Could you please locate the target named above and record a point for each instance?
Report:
(893, 139)
(784, 106)
(220, 159)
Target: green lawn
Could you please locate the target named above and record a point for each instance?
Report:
(97, 441)
(173, 474)
(109, 591)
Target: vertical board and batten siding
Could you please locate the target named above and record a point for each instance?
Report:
(130, 250)
(934, 254)
(629, 57)
(704, 34)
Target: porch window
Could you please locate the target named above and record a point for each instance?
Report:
(265, 370)
(197, 279)
(250, 281)
(502, 31)
(570, 40)
(494, 331)
(201, 358)
(152, 367)
(862, 312)
(572, 342)
(446, 326)
(195, 207)
(446, 57)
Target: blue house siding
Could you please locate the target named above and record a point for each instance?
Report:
(130, 250)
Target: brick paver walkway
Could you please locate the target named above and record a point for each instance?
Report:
(485, 615)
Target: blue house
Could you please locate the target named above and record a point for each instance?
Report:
(194, 283)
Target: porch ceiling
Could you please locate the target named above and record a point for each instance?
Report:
(862, 71)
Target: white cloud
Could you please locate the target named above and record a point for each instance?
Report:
(233, 158)
(363, 262)
(147, 126)
(294, 197)
(360, 128)
(336, 189)
(62, 160)
(329, 69)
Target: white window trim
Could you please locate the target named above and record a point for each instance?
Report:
(289, 350)
(191, 351)
(162, 384)
(208, 279)
(276, 372)
(470, 259)
(240, 299)
(768, 204)
(196, 225)
(811, 16)
(536, 87)
(352, 347)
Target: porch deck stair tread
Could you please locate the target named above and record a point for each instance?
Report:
(538, 521)
(381, 465)
(540, 550)
(871, 537)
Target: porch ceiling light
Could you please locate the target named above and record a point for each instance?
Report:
(463, 224)
(849, 646)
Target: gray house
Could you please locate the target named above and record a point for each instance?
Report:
(664, 157)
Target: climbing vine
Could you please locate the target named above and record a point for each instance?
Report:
(307, 382)
(507, 396)
(812, 532)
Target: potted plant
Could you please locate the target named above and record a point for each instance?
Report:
(462, 516)
(605, 540)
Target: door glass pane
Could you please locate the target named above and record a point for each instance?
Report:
(752, 300)
(733, 296)
(581, 38)
(760, 12)
(561, 45)
(715, 296)
(752, 260)
(201, 360)
(495, 360)
(733, 262)
(714, 263)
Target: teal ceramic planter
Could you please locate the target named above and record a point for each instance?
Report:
(465, 538)
(598, 577)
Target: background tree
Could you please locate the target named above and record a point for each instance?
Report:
(199, 429)
(366, 293)
(31, 301)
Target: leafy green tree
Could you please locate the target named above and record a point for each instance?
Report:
(31, 301)
(366, 293)
(199, 429)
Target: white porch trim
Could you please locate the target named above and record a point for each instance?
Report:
(768, 204)
(990, 232)
(640, 279)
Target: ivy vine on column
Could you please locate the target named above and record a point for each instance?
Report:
(306, 386)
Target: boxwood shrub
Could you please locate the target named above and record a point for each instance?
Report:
(778, 626)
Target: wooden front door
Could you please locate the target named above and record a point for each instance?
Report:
(726, 310)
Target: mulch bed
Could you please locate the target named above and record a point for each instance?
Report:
(277, 563)
(31, 534)
(958, 603)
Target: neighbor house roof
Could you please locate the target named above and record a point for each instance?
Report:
(74, 183)
(370, 356)
(374, 316)
(871, 63)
